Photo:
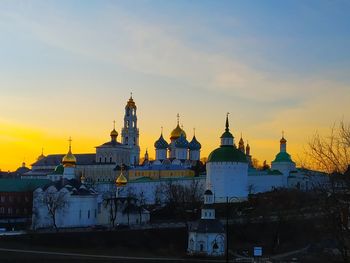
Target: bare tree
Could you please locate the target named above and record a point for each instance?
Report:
(141, 201)
(55, 201)
(330, 153)
(129, 204)
(111, 202)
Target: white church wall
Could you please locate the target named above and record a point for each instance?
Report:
(231, 179)
(264, 183)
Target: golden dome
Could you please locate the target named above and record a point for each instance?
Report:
(69, 159)
(114, 133)
(176, 133)
(121, 180)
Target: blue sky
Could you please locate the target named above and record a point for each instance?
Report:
(67, 68)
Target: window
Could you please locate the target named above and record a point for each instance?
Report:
(88, 213)
(2, 210)
(110, 159)
(79, 214)
(95, 213)
(2, 199)
(9, 210)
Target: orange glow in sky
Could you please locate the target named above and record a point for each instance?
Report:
(67, 69)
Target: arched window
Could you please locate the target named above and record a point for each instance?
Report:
(110, 159)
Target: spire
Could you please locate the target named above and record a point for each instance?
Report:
(131, 95)
(42, 154)
(194, 132)
(114, 133)
(69, 159)
(247, 148)
(70, 144)
(161, 130)
(227, 124)
(283, 143)
(241, 144)
(146, 155)
(178, 119)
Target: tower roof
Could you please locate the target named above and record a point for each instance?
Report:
(227, 133)
(175, 134)
(227, 153)
(161, 143)
(283, 157)
(194, 144)
(181, 142)
(69, 159)
(130, 104)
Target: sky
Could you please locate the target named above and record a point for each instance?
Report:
(67, 69)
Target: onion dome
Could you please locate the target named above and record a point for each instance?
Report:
(161, 143)
(69, 159)
(121, 180)
(227, 133)
(181, 142)
(130, 104)
(177, 132)
(194, 144)
(227, 152)
(114, 133)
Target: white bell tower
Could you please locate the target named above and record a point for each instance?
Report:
(130, 132)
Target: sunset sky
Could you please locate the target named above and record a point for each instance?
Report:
(67, 69)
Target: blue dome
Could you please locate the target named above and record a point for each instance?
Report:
(181, 142)
(194, 144)
(161, 143)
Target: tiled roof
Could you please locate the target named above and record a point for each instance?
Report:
(22, 185)
(55, 159)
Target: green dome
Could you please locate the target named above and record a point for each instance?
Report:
(59, 169)
(226, 134)
(227, 153)
(283, 157)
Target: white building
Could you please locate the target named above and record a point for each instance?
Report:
(207, 236)
(227, 169)
(66, 202)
